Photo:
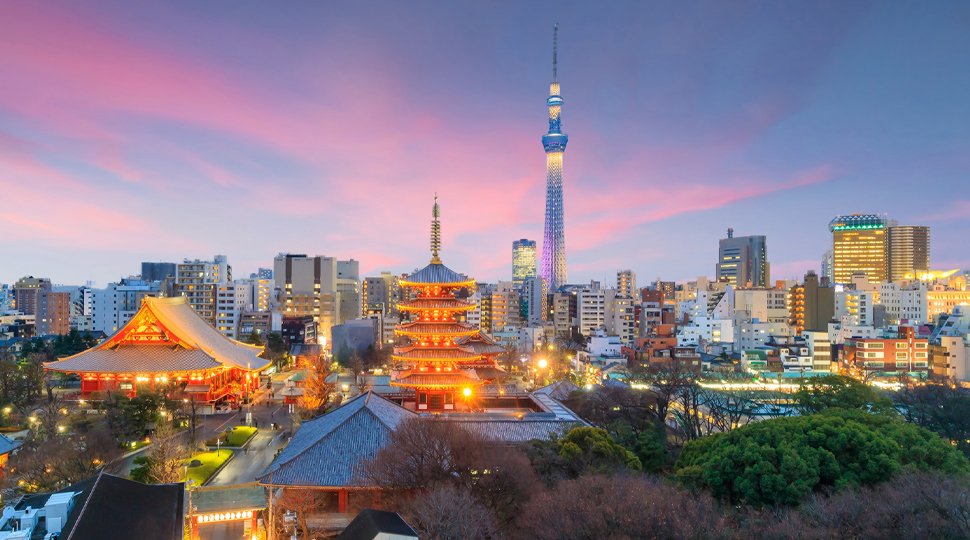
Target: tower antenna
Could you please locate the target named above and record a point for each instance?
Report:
(555, 51)
(435, 231)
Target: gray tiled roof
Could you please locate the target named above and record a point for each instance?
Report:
(328, 451)
(436, 273)
(137, 358)
(8, 445)
(516, 431)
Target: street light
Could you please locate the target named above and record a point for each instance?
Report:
(543, 363)
(467, 392)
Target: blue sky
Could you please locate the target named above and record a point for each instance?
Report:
(134, 131)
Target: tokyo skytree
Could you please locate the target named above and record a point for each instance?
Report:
(553, 269)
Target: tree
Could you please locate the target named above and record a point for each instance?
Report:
(599, 506)
(583, 450)
(359, 369)
(940, 408)
(275, 349)
(838, 391)
(343, 354)
(319, 389)
(782, 461)
(165, 456)
(50, 464)
(253, 339)
(450, 513)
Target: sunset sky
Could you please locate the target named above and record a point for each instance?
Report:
(135, 131)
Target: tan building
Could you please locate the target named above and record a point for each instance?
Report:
(199, 281)
(53, 317)
(908, 251)
(25, 293)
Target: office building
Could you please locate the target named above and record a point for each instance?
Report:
(384, 290)
(320, 287)
(232, 300)
(908, 252)
(859, 245)
(114, 306)
(828, 266)
(198, 281)
(25, 293)
(535, 301)
(523, 261)
(157, 271)
(743, 261)
(562, 311)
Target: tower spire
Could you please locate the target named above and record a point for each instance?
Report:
(555, 51)
(435, 231)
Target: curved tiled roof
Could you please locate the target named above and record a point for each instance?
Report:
(331, 450)
(436, 274)
(200, 347)
(436, 378)
(435, 329)
(140, 358)
(481, 344)
(435, 303)
(490, 373)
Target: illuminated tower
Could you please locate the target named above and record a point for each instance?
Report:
(553, 268)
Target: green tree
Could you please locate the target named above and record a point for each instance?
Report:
(584, 450)
(782, 461)
(253, 339)
(838, 391)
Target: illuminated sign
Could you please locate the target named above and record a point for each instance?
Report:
(224, 516)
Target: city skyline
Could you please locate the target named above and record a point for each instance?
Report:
(181, 131)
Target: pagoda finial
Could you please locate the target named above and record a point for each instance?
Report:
(555, 50)
(435, 232)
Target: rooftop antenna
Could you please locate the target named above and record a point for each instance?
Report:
(555, 50)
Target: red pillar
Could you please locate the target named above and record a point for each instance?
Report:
(252, 529)
(195, 528)
(342, 501)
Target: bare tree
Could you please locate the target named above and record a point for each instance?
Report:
(52, 412)
(450, 513)
(165, 456)
(725, 409)
(359, 368)
(50, 464)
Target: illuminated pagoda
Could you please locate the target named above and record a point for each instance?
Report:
(168, 342)
(434, 364)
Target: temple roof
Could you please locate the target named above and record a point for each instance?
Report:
(490, 373)
(149, 341)
(329, 451)
(436, 274)
(481, 344)
(435, 303)
(136, 359)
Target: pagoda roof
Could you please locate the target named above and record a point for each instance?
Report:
(435, 303)
(490, 373)
(435, 378)
(436, 274)
(165, 335)
(435, 353)
(481, 344)
(440, 329)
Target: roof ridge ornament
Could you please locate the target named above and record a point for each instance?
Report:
(435, 231)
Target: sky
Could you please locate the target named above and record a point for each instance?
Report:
(135, 131)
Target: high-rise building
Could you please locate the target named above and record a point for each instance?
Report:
(626, 283)
(523, 261)
(116, 304)
(859, 245)
(231, 301)
(25, 293)
(349, 298)
(535, 301)
(263, 273)
(743, 261)
(554, 237)
(828, 266)
(321, 287)
(157, 271)
(198, 281)
(53, 313)
(908, 251)
(506, 306)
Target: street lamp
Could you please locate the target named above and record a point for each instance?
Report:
(543, 363)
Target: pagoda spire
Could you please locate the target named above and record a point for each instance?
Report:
(435, 232)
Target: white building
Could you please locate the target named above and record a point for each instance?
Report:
(753, 333)
(602, 344)
(705, 328)
(591, 303)
(232, 299)
(619, 319)
(858, 306)
(534, 296)
(820, 348)
(115, 305)
(626, 283)
(841, 331)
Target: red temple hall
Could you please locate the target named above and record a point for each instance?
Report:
(165, 342)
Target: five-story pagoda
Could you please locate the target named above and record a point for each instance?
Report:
(433, 364)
